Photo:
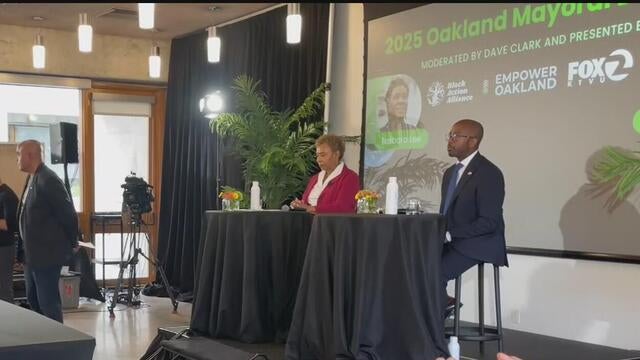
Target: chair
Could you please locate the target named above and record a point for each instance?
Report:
(480, 332)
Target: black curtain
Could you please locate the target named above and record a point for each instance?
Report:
(256, 47)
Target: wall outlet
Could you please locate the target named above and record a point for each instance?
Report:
(515, 316)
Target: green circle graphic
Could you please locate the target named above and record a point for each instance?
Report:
(636, 122)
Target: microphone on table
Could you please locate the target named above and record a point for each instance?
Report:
(286, 207)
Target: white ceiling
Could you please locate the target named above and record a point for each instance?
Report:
(171, 19)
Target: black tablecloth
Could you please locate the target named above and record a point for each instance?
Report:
(370, 289)
(248, 274)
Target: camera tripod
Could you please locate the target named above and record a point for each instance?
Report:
(132, 290)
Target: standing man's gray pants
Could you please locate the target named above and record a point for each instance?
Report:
(7, 254)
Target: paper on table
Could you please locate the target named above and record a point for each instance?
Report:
(86, 244)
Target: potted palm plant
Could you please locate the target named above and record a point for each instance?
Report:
(276, 148)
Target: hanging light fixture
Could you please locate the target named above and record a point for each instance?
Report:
(39, 53)
(154, 62)
(211, 105)
(85, 34)
(294, 23)
(213, 45)
(146, 12)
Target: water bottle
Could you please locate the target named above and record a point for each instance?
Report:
(255, 196)
(454, 347)
(391, 202)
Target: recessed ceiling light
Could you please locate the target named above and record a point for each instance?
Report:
(38, 18)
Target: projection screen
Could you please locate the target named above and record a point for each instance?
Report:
(552, 84)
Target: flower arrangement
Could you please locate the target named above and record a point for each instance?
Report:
(367, 195)
(234, 195)
(231, 198)
(367, 201)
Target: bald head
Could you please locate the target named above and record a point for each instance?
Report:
(464, 138)
(472, 127)
(29, 156)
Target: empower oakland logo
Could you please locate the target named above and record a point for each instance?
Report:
(600, 70)
(525, 81)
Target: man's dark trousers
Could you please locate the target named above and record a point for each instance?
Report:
(43, 293)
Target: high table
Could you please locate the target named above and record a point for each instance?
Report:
(370, 289)
(26, 335)
(248, 273)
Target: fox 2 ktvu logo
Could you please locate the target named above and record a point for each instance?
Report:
(600, 70)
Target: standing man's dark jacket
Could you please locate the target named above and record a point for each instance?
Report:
(48, 220)
(474, 218)
(8, 208)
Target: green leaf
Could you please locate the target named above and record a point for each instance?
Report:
(620, 166)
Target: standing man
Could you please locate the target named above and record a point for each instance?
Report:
(48, 226)
(8, 229)
(472, 198)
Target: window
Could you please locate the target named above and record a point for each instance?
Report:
(121, 147)
(26, 112)
(121, 143)
(114, 253)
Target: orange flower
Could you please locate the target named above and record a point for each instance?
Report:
(231, 194)
(367, 195)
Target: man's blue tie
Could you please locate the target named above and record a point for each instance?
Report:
(451, 187)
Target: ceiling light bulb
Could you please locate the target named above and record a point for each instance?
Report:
(85, 35)
(294, 23)
(155, 62)
(39, 53)
(213, 46)
(146, 12)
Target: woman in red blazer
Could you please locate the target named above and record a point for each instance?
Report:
(333, 190)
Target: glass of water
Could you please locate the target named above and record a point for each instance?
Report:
(413, 207)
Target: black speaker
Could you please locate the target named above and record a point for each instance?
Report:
(203, 348)
(64, 143)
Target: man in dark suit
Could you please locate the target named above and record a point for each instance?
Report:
(48, 226)
(472, 198)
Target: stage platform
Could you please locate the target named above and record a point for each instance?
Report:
(27, 335)
(525, 345)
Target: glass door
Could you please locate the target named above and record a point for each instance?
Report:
(121, 149)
